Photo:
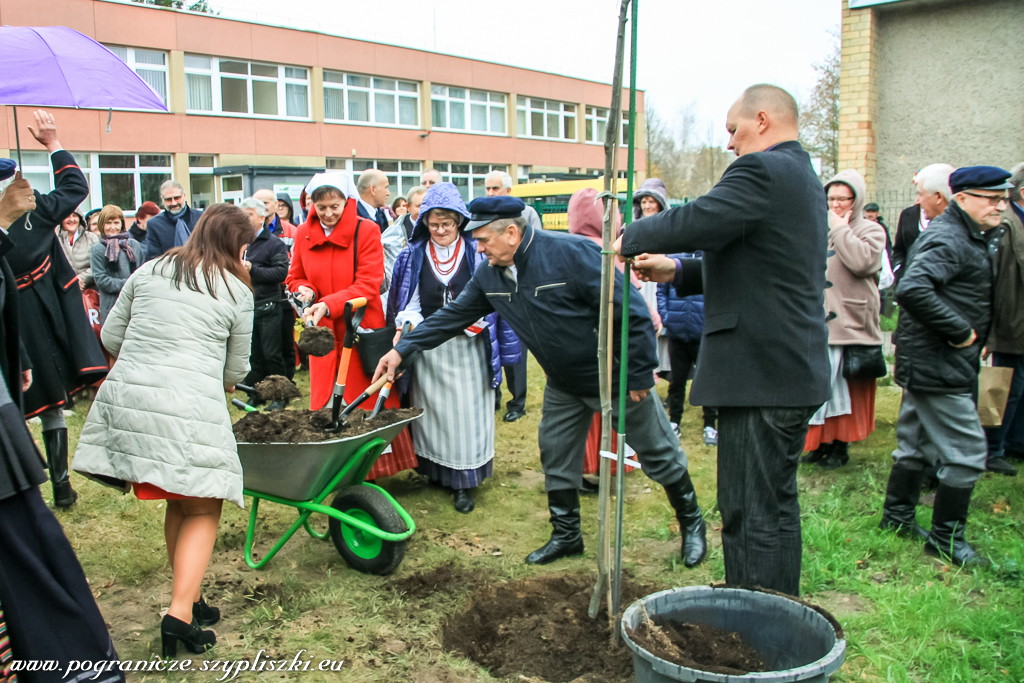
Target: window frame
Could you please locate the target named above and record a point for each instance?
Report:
(395, 182)
(592, 118)
(88, 162)
(444, 168)
(527, 105)
(282, 81)
(441, 93)
(129, 59)
(372, 91)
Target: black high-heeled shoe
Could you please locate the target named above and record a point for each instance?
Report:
(203, 614)
(195, 640)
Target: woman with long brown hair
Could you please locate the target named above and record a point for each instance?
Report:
(160, 421)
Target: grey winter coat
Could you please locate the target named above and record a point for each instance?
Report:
(110, 276)
(80, 253)
(161, 416)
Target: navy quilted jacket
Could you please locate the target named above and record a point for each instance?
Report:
(682, 316)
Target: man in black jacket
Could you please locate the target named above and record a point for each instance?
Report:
(266, 259)
(763, 362)
(945, 300)
(171, 227)
(547, 287)
(933, 196)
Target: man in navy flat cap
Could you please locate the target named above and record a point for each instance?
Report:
(547, 286)
(945, 300)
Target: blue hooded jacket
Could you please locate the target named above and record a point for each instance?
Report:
(682, 316)
(406, 275)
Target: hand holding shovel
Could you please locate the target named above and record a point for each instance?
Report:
(355, 309)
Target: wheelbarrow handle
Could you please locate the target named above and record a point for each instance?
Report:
(243, 405)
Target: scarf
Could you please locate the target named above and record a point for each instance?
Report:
(114, 245)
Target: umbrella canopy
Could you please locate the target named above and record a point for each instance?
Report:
(56, 66)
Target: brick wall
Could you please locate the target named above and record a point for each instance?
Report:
(858, 92)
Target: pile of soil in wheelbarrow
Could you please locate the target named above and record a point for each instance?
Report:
(316, 341)
(539, 628)
(698, 646)
(307, 426)
(277, 388)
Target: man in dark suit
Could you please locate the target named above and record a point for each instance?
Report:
(764, 362)
(172, 227)
(373, 197)
(933, 196)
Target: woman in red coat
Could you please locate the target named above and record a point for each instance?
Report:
(330, 265)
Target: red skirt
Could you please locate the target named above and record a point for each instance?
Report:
(151, 492)
(592, 459)
(848, 428)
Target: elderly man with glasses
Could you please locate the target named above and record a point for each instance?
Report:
(945, 300)
(171, 227)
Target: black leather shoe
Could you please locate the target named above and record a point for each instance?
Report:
(817, 454)
(203, 614)
(566, 539)
(901, 497)
(463, 501)
(512, 416)
(683, 499)
(1000, 466)
(174, 631)
(839, 456)
(55, 441)
(949, 518)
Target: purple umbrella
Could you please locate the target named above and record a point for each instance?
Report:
(56, 66)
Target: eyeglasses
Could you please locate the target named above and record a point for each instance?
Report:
(447, 225)
(168, 200)
(833, 200)
(993, 199)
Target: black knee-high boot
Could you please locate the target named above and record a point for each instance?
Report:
(566, 539)
(683, 498)
(55, 441)
(949, 519)
(901, 498)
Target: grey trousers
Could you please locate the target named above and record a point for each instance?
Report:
(563, 438)
(942, 430)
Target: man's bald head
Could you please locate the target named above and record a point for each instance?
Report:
(373, 187)
(269, 200)
(762, 117)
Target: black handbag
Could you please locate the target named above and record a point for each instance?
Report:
(372, 345)
(864, 362)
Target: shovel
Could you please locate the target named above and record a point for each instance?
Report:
(386, 390)
(355, 309)
(370, 391)
(243, 405)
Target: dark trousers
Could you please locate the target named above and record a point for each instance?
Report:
(515, 379)
(288, 340)
(758, 452)
(266, 357)
(682, 355)
(1010, 435)
(49, 608)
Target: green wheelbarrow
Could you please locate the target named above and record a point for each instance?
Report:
(368, 527)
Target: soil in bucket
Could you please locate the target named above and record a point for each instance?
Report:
(539, 628)
(697, 646)
(307, 426)
(316, 341)
(277, 388)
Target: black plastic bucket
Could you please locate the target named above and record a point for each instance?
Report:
(792, 638)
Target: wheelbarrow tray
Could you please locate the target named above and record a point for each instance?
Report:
(301, 471)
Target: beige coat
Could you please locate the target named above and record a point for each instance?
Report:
(161, 416)
(79, 253)
(852, 305)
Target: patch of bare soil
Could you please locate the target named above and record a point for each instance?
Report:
(697, 646)
(444, 579)
(307, 426)
(474, 546)
(438, 674)
(316, 341)
(277, 388)
(539, 628)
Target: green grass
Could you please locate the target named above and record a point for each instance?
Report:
(907, 617)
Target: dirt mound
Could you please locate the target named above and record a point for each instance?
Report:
(539, 627)
(698, 646)
(277, 388)
(316, 341)
(444, 578)
(307, 426)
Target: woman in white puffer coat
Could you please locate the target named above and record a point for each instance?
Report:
(180, 332)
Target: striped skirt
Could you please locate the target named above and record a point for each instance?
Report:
(452, 384)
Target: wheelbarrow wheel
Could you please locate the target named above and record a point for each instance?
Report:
(362, 551)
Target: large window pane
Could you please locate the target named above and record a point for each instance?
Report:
(478, 117)
(117, 161)
(150, 185)
(157, 80)
(229, 67)
(570, 128)
(521, 122)
(602, 130)
(264, 98)
(497, 120)
(38, 181)
(590, 130)
(537, 123)
(358, 106)
(42, 159)
(552, 131)
(201, 195)
(408, 111)
(119, 190)
(384, 107)
(154, 161)
(457, 110)
(439, 113)
(334, 104)
(198, 92)
(297, 99)
(463, 185)
(478, 188)
(233, 95)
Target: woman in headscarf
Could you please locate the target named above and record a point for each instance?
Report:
(454, 383)
(338, 256)
(114, 258)
(651, 198)
(855, 248)
(77, 242)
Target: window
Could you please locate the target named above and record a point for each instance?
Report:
(402, 175)
(150, 65)
(366, 99)
(469, 178)
(545, 119)
(200, 177)
(471, 110)
(226, 86)
(597, 126)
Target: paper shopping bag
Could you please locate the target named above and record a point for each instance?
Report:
(993, 390)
